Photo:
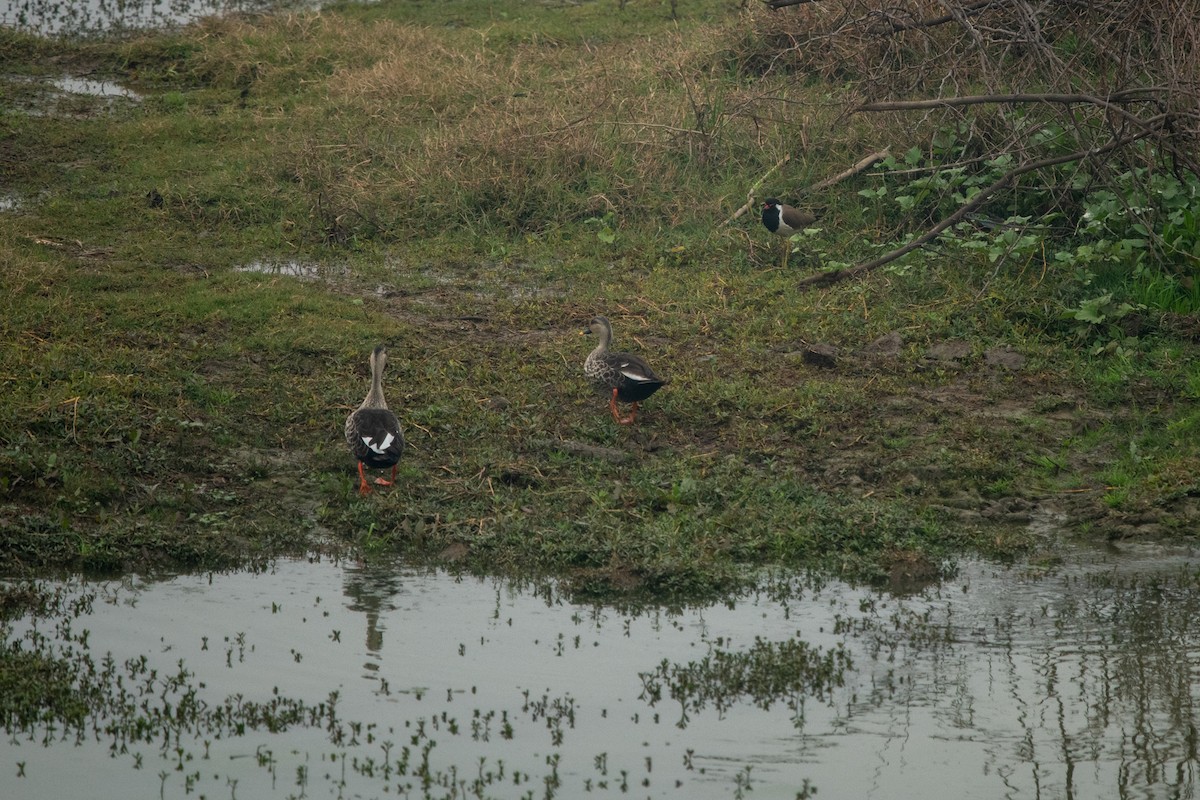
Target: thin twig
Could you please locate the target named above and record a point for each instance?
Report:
(833, 276)
(1114, 103)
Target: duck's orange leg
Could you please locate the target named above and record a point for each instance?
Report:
(616, 414)
(382, 482)
(612, 405)
(364, 488)
(633, 409)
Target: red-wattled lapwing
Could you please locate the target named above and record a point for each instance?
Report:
(783, 220)
(372, 431)
(621, 376)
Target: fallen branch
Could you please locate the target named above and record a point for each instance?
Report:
(754, 188)
(854, 170)
(834, 276)
(775, 5)
(1113, 101)
(863, 164)
(963, 11)
(967, 10)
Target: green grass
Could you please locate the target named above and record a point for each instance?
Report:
(472, 182)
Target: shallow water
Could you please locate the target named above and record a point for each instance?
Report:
(291, 269)
(73, 85)
(83, 17)
(1005, 682)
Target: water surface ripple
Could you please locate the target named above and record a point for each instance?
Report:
(322, 679)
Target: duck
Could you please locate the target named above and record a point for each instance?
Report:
(372, 430)
(783, 220)
(628, 377)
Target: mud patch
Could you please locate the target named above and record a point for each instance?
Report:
(67, 96)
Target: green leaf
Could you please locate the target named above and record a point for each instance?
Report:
(1093, 310)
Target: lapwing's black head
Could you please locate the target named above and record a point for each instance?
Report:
(772, 214)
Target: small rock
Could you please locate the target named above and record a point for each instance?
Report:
(821, 355)
(888, 345)
(455, 552)
(948, 351)
(1004, 357)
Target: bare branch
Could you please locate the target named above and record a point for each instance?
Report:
(778, 4)
(834, 276)
(1114, 100)
(862, 165)
(1114, 103)
(963, 11)
(754, 188)
(894, 26)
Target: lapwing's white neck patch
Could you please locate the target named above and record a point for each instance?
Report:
(378, 449)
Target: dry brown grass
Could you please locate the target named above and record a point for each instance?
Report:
(435, 128)
(916, 49)
(928, 46)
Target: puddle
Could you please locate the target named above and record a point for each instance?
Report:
(67, 95)
(10, 202)
(291, 269)
(71, 85)
(319, 679)
(84, 17)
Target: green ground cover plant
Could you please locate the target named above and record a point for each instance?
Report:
(193, 281)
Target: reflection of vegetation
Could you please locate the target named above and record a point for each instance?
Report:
(53, 690)
(50, 682)
(766, 673)
(1054, 676)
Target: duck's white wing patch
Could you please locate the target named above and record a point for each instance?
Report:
(632, 372)
(378, 449)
